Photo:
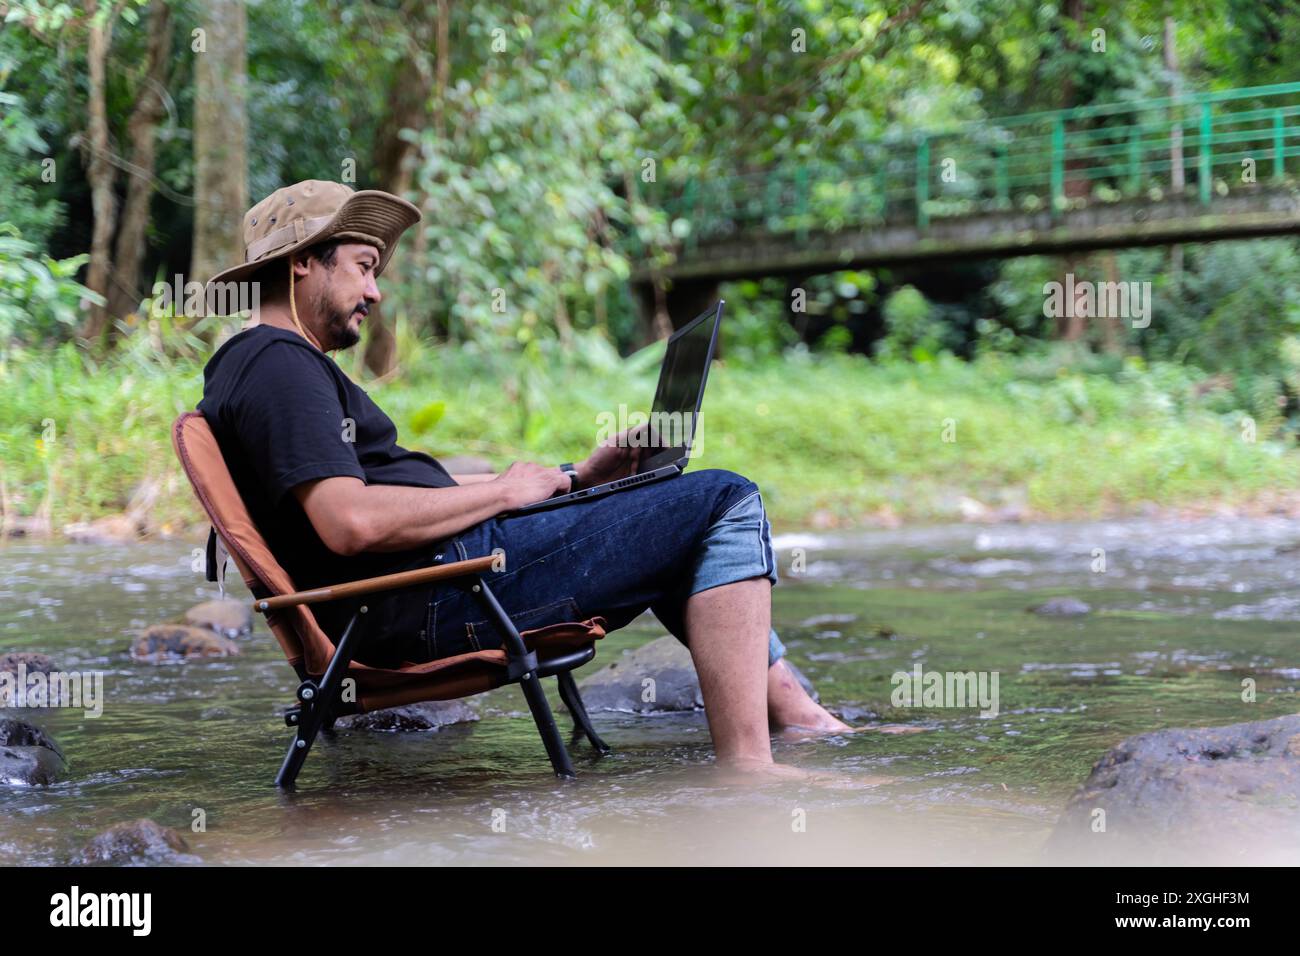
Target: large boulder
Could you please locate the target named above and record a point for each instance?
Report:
(166, 643)
(29, 757)
(426, 715)
(1180, 795)
(136, 843)
(225, 617)
(654, 678)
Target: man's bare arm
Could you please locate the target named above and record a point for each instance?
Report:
(473, 479)
(351, 516)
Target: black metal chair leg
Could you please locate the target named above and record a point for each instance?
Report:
(317, 702)
(522, 667)
(573, 700)
(546, 726)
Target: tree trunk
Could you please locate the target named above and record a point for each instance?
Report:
(99, 171)
(394, 156)
(1176, 174)
(1177, 177)
(148, 113)
(220, 139)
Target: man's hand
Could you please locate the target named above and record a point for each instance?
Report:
(525, 482)
(614, 458)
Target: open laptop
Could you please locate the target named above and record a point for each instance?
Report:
(674, 416)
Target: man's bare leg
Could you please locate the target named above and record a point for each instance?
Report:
(730, 615)
(790, 707)
(727, 629)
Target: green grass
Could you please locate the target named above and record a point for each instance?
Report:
(833, 440)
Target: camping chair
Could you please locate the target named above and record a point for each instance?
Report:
(332, 683)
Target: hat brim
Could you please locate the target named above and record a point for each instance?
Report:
(366, 216)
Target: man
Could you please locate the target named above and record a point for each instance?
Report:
(318, 464)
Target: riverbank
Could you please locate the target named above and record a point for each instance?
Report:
(835, 441)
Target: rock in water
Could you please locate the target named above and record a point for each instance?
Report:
(164, 643)
(426, 715)
(1062, 607)
(35, 663)
(655, 678)
(1182, 795)
(658, 677)
(20, 664)
(29, 757)
(114, 529)
(137, 843)
(225, 617)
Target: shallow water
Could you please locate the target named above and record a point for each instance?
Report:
(1182, 613)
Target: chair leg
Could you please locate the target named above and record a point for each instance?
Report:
(318, 705)
(545, 721)
(573, 700)
(523, 668)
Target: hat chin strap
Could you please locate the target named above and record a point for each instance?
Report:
(293, 309)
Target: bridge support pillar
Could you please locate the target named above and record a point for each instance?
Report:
(682, 300)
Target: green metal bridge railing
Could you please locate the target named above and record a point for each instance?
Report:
(1050, 160)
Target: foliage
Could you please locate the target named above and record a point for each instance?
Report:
(38, 295)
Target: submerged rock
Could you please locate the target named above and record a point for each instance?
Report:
(1220, 789)
(426, 715)
(655, 678)
(1062, 607)
(225, 617)
(164, 643)
(137, 843)
(29, 757)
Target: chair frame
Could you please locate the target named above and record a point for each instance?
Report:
(321, 703)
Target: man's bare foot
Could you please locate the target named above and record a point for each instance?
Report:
(790, 708)
(759, 772)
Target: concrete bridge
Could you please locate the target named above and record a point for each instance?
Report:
(1196, 168)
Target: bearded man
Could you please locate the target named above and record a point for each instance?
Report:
(319, 468)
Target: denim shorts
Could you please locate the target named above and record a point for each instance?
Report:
(616, 556)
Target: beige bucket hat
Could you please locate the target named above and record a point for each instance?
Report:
(296, 217)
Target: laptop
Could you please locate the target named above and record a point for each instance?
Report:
(674, 416)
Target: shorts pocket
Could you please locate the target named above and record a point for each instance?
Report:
(483, 633)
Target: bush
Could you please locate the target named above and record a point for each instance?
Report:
(39, 298)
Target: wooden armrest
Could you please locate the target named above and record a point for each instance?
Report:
(386, 582)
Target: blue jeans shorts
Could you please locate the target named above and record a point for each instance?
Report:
(649, 547)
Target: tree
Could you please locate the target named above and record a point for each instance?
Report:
(150, 107)
(97, 150)
(220, 137)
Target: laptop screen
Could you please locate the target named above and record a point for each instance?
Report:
(675, 415)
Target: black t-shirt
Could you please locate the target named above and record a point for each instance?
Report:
(284, 413)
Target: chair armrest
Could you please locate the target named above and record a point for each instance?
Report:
(386, 582)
